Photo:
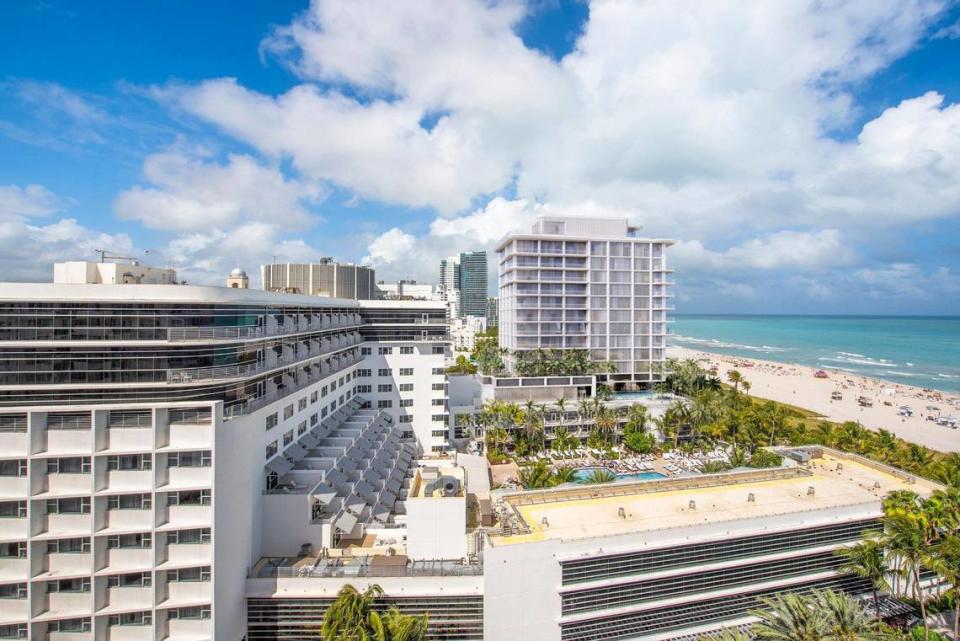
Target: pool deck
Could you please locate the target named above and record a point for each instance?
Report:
(837, 481)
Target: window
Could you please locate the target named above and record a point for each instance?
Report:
(272, 421)
(272, 450)
(131, 618)
(288, 438)
(13, 591)
(364, 351)
(13, 631)
(200, 458)
(314, 396)
(13, 422)
(13, 509)
(406, 418)
(17, 550)
(406, 371)
(386, 387)
(193, 612)
(69, 421)
(333, 385)
(324, 390)
(69, 585)
(68, 546)
(189, 537)
(133, 580)
(439, 433)
(406, 402)
(383, 351)
(406, 387)
(439, 418)
(385, 372)
(78, 505)
(438, 387)
(302, 427)
(201, 573)
(437, 371)
(439, 349)
(189, 497)
(384, 404)
(288, 411)
(69, 465)
(438, 402)
(129, 502)
(363, 373)
(69, 625)
(323, 412)
(314, 419)
(129, 462)
(364, 389)
(302, 404)
(130, 541)
(406, 349)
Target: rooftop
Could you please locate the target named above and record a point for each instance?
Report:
(837, 481)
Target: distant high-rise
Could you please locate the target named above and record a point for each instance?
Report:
(325, 278)
(492, 315)
(473, 284)
(449, 275)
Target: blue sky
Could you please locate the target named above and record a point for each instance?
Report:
(806, 159)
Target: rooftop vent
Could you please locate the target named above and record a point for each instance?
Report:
(751, 498)
(621, 513)
(692, 504)
(876, 485)
(811, 491)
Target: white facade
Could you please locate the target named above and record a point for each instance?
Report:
(464, 330)
(79, 272)
(592, 284)
(437, 514)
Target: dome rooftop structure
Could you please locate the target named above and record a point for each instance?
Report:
(238, 273)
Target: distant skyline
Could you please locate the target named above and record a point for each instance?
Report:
(805, 157)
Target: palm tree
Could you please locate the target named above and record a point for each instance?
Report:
(347, 617)
(867, 561)
(606, 422)
(536, 476)
(844, 619)
(601, 475)
(562, 408)
(906, 538)
(564, 475)
(946, 561)
(736, 378)
(564, 440)
(728, 634)
(787, 617)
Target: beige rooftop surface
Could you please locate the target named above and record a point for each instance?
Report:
(837, 482)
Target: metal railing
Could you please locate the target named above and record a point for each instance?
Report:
(244, 332)
(335, 568)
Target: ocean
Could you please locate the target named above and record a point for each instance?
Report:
(919, 351)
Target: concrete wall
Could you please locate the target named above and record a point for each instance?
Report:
(436, 528)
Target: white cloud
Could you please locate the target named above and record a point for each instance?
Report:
(908, 281)
(32, 200)
(192, 192)
(390, 247)
(809, 251)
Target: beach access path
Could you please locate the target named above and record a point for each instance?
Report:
(796, 385)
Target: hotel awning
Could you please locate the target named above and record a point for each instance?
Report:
(346, 523)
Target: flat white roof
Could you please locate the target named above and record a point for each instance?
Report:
(837, 483)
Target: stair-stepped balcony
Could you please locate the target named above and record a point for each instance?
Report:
(14, 482)
(14, 523)
(186, 547)
(14, 565)
(125, 512)
(127, 552)
(125, 473)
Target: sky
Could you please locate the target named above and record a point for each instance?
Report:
(805, 156)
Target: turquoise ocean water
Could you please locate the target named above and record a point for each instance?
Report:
(920, 351)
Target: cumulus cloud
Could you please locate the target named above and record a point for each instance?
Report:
(192, 191)
(908, 281)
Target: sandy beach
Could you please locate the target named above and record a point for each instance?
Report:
(797, 385)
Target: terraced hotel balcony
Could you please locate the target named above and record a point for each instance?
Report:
(250, 332)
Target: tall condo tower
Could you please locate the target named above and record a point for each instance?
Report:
(587, 283)
(473, 284)
(325, 278)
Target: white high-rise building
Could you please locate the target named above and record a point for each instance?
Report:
(591, 284)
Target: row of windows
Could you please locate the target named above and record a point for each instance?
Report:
(615, 565)
(82, 545)
(115, 463)
(696, 582)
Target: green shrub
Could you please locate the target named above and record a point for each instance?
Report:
(765, 458)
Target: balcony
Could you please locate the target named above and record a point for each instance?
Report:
(15, 487)
(189, 516)
(189, 629)
(13, 443)
(184, 554)
(188, 477)
(194, 437)
(121, 632)
(129, 439)
(67, 525)
(127, 520)
(187, 592)
(69, 604)
(66, 442)
(14, 528)
(129, 480)
(14, 610)
(120, 560)
(68, 483)
(14, 569)
(129, 598)
(68, 563)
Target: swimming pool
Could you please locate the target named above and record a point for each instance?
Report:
(581, 475)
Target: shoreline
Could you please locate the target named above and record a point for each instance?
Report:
(796, 385)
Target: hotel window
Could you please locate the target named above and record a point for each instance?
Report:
(314, 396)
(439, 433)
(439, 349)
(288, 438)
(406, 387)
(302, 404)
(438, 402)
(78, 505)
(386, 387)
(17, 550)
(131, 618)
(13, 631)
(383, 351)
(364, 351)
(69, 465)
(69, 585)
(406, 350)
(129, 462)
(193, 612)
(333, 385)
(13, 591)
(406, 418)
(362, 373)
(130, 541)
(129, 502)
(271, 450)
(76, 545)
(69, 625)
(13, 422)
(196, 536)
(364, 389)
(323, 412)
(436, 371)
(189, 575)
(406, 402)
(406, 371)
(439, 418)
(189, 497)
(199, 458)
(288, 411)
(438, 387)
(272, 421)
(302, 427)
(13, 509)
(314, 419)
(323, 390)
(384, 404)
(385, 372)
